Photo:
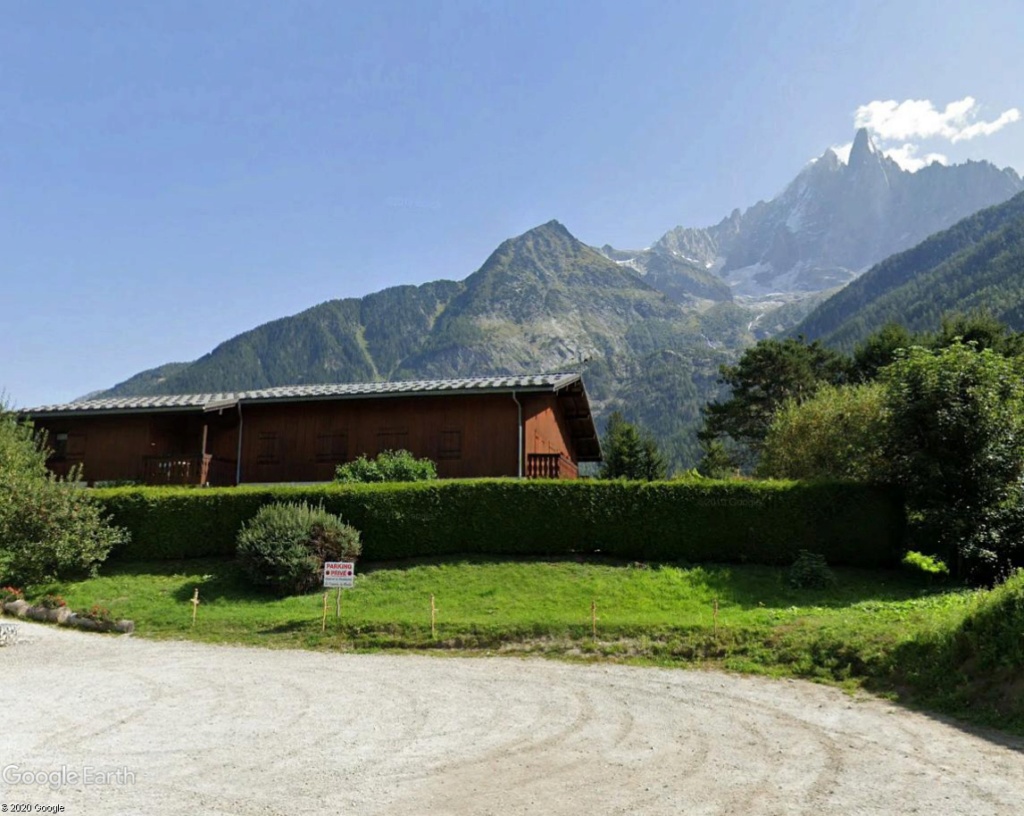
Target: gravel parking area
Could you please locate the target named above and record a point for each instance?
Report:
(120, 725)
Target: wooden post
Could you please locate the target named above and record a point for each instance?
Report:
(716, 617)
(337, 606)
(323, 624)
(195, 605)
(433, 619)
(593, 618)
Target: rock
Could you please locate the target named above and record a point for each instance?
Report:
(18, 608)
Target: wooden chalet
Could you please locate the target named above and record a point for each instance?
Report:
(533, 426)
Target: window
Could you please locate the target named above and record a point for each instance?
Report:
(331, 448)
(60, 446)
(266, 448)
(392, 440)
(451, 445)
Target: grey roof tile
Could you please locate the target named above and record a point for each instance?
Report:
(538, 382)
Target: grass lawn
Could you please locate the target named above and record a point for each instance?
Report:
(655, 611)
(876, 629)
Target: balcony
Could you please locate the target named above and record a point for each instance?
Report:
(550, 466)
(188, 470)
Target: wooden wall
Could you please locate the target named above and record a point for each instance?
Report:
(304, 442)
(546, 429)
(113, 448)
(467, 436)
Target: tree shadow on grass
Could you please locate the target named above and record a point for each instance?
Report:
(749, 587)
(931, 678)
(217, 579)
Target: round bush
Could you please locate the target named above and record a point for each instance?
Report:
(811, 571)
(388, 466)
(284, 546)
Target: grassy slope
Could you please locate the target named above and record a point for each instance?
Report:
(882, 630)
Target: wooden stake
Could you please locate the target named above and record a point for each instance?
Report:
(433, 619)
(716, 617)
(593, 618)
(323, 624)
(195, 605)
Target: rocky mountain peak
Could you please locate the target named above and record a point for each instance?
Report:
(863, 149)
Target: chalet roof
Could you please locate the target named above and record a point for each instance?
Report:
(288, 393)
(568, 386)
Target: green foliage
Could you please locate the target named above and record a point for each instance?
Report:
(48, 528)
(956, 445)
(811, 571)
(973, 667)
(767, 375)
(174, 522)
(980, 329)
(990, 636)
(387, 466)
(630, 453)
(699, 521)
(98, 613)
(10, 593)
(284, 546)
(925, 563)
(716, 462)
(879, 350)
(839, 433)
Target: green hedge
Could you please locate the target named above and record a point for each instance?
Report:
(698, 521)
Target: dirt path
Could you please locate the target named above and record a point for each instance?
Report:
(199, 729)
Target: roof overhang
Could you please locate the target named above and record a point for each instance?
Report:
(206, 403)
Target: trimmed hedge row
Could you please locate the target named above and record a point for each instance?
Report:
(698, 521)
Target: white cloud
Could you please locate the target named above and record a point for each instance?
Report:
(906, 157)
(890, 120)
(843, 151)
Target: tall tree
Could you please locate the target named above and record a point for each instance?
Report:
(766, 375)
(630, 453)
(880, 349)
(839, 433)
(956, 445)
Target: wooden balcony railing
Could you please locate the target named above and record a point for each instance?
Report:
(188, 470)
(550, 466)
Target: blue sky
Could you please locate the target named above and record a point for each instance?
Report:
(172, 174)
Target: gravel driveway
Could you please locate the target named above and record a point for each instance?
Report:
(173, 727)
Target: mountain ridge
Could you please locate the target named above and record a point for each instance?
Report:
(650, 326)
(835, 220)
(975, 265)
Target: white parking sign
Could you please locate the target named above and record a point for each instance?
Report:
(339, 574)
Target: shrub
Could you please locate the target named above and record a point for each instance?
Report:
(990, 636)
(49, 528)
(284, 546)
(389, 466)
(52, 602)
(925, 563)
(9, 593)
(836, 434)
(811, 571)
(97, 613)
(697, 521)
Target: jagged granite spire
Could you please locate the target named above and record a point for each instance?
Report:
(863, 149)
